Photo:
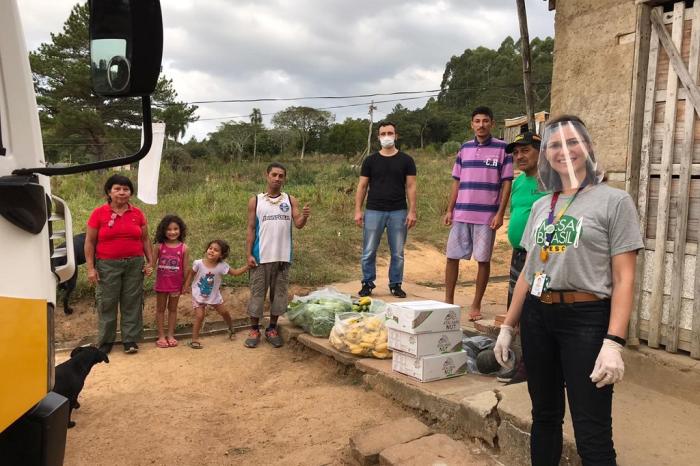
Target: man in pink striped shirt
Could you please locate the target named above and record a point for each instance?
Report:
(482, 177)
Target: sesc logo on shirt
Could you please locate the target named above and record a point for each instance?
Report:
(565, 233)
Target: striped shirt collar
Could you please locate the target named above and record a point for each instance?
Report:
(486, 143)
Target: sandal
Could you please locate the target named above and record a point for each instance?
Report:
(172, 342)
(475, 317)
(195, 345)
(162, 343)
(231, 333)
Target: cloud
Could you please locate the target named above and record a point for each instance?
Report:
(282, 48)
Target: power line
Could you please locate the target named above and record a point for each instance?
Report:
(433, 93)
(376, 94)
(330, 97)
(286, 99)
(360, 104)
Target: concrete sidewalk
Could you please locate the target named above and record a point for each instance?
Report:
(655, 413)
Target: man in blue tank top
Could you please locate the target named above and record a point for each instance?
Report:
(269, 251)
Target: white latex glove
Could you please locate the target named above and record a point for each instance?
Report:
(505, 337)
(609, 367)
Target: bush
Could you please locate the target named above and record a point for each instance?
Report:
(450, 147)
(178, 158)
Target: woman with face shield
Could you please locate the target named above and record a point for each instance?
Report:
(574, 297)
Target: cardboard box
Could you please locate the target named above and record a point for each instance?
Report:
(423, 316)
(425, 344)
(429, 368)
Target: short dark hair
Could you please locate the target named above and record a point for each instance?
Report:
(120, 180)
(276, 165)
(223, 245)
(163, 228)
(386, 123)
(482, 110)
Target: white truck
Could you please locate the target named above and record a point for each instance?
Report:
(126, 42)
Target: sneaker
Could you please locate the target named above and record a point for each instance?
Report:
(518, 375)
(273, 337)
(253, 339)
(106, 347)
(130, 347)
(366, 290)
(397, 291)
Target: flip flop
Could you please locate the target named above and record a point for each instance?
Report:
(162, 343)
(475, 317)
(172, 342)
(195, 345)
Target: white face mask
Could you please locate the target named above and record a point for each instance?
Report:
(386, 142)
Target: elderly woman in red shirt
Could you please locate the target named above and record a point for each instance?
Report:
(115, 245)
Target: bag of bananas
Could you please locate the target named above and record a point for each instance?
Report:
(367, 304)
(362, 334)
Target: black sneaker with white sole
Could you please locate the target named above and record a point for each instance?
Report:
(130, 347)
(397, 291)
(366, 290)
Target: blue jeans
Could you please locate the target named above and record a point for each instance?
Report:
(375, 222)
(560, 345)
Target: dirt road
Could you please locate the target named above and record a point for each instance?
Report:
(224, 404)
(227, 404)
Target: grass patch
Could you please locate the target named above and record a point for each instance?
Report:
(212, 198)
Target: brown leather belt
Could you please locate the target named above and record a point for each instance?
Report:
(567, 297)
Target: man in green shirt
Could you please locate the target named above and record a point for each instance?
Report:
(525, 149)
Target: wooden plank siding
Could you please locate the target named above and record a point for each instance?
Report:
(668, 185)
(645, 156)
(657, 295)
(635, 137)
(681, 227)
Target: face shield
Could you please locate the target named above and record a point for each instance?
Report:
(566, 158)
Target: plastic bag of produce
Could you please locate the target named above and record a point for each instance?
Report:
(362, 334)
(315, 313)
(367, 304)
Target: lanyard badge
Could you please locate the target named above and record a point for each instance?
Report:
(552, 222)
(538, 284)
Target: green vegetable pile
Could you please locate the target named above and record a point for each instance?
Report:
(317, 315)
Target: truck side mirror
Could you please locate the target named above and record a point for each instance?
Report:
(126, 47)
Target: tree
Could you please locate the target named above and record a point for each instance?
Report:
(483, 76)
(176, 115)
(347, 138)
(256, 122)
(83, 126)
(307, 122)
(230, 139)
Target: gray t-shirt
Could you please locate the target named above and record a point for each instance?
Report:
(600, 223)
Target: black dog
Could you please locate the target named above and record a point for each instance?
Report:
(71, 375)
(69, 285)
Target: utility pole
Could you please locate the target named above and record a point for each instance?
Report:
(525, 54)
(372, 108)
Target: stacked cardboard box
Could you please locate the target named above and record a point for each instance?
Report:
(426, 339)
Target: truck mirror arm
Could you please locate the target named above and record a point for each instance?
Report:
(86, 167)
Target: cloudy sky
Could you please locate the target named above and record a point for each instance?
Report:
(236, 49)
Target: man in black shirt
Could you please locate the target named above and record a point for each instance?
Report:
(390, 176)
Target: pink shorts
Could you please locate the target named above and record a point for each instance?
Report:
(469, 240)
